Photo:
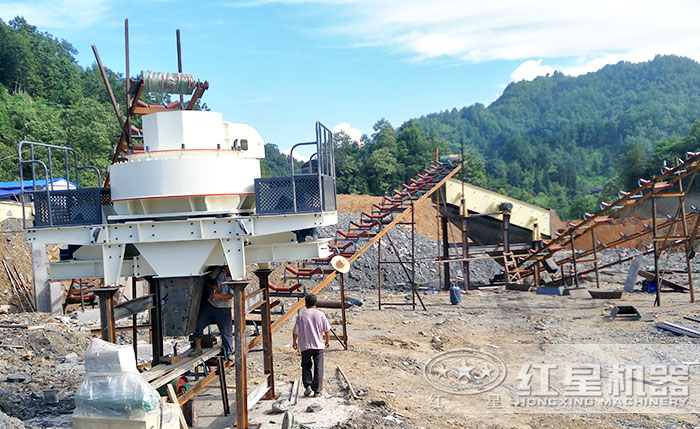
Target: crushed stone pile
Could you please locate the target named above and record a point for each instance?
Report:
(364, 274)
(40, 351)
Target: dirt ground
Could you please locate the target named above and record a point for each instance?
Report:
(390, 348)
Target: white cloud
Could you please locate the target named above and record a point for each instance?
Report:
(355, 134)
(61, 14)
(530, 69)
(584, 36)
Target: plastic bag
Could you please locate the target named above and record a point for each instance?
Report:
(112, 386)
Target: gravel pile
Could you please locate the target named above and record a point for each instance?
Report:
(39, 352)
(363, 273)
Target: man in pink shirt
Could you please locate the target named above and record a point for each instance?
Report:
(310, 329)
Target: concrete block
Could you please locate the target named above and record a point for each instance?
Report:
(517, 286)
(56, 297)
(550, 290)
(580, 293)
(42, 294)
(88, 315)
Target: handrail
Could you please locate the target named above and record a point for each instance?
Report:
(69, 171)
(97, 170)
(48, 195)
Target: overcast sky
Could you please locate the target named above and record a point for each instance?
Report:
(281, 65)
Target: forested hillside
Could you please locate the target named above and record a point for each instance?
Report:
(558, 141)
(45, 96)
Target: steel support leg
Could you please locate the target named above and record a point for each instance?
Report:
(134, 322)
(106, 295)
(263, 275)
(156, 322)
(445, 252)
(342, 311)
(240, 346)
(221, 369)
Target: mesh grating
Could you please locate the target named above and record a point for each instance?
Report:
(275, 195)
(68, 207)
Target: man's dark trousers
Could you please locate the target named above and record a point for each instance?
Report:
(209, 314)
(315, 380)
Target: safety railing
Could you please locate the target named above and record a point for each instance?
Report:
(310, 191)
(58, 207)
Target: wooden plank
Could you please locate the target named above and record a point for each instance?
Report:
(188, 363)
(173, 398)
(673, 285)
(347, 380)
(259, 392)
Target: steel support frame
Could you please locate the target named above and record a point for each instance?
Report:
(263, 275)
(411, 275)
(660, 242)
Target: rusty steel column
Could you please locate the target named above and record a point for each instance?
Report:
(263, 275)
(106, 295)
(445, 252)
(595, 259)
(379, 272)
(134, 321)
(156, 318)
(465, 246)
(686, 240)
(342, 307)
(413, 257)
(657, 277)
(573, 258)
(240, 346)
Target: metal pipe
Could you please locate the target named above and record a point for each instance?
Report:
(127, 131)
(113, 100)
(179, 61)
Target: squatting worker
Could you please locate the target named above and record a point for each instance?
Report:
(312, 331)
(216, 309)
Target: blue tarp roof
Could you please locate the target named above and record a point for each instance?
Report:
(15, 187)
(27, 184)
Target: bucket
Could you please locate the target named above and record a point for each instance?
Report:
(51, 396)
